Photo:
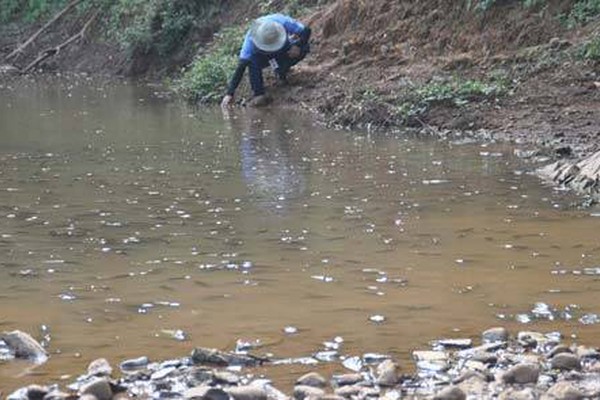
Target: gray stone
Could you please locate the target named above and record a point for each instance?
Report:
(199, 376)
(496, 334)
(450, 393)
(348, 391)
(226, 377)
(528, 338)
(523, 394)
(302, 392)
(250, 392)
(485, 348)
(522, 373)
(58, 395)
(454, 343)
(205, 356)
(272, 392)
(312, 379)
(347, 379)
(387, 373)
(89, 397)
(162, 373)
(100, 367)
(36, 392)
(563, 391)
(100, 388)
(565, 362)
(22, 345)
(561, 348)
(134, 363)
(366, 392)
(584, 352)
(196, 392)
(215, 394)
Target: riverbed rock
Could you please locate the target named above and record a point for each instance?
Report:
(522, 374)
(531, 339)
(206, 356)
(312, 379)
(100, 388)
(216, 394)
(565, 362)
(496, 334)
(100, 367)
(387, 374)
(563, 391)
(582, 176)
(249, 392)
(451, 393)
(348, 391)
(559, 348)
(22, 345)
(226, 377)
(302, 392)
(346, 379)
(37, 392)
(518, 394)
(584, 352)
(134, 364)
(196, 392)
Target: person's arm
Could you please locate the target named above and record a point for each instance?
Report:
(245, 54)
(237, 76)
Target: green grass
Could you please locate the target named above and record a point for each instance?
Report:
(455, 92)
(28, 10)
(583, 12)
(207, 77)
(590, 50)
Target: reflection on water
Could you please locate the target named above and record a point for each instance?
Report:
(266, 157)
(130, 225)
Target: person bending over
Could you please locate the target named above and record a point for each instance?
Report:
(274, 40)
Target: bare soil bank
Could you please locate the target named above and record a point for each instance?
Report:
(369, 56)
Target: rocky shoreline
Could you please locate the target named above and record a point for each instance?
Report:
(528, 365)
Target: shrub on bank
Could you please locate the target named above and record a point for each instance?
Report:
(590, 50)
(207, 77)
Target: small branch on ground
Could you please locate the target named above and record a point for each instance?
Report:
(426, 126)
(31, 39)
(55, 50)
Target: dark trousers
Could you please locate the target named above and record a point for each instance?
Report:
(260, 62)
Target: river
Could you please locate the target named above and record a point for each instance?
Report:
(133, 225)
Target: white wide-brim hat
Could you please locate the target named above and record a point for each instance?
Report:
(268, 35)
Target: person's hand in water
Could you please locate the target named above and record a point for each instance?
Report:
(227, 101)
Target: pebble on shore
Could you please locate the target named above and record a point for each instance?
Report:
(530, 365)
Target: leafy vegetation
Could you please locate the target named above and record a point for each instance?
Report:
(207, 77)
(456, 92)
(590, 50)
(28, 10)
(583, 11)
(155, 25)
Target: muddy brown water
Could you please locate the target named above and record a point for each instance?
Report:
(125, 217)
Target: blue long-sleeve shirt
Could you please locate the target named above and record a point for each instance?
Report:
(251, 56)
